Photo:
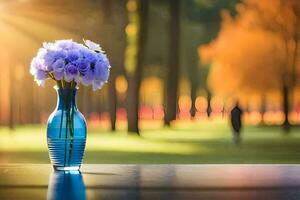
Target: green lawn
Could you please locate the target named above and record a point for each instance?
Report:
(186, 142)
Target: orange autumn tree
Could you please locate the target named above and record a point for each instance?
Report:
(257, 50)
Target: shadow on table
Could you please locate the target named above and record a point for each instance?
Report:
(66, 185)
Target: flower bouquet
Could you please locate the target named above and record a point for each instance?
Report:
(69, 64)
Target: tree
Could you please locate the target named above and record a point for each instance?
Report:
(282, 19)
(260, 41)
(137, 35)
(114, 25)
(173, 65)
(201, 23)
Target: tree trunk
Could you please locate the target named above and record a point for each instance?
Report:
(134, 78)
(285, 95)
(208, 98)
(133, 105)
(263, 108)
(173, 65)
(193, 99)
(112, 102)
(116, 32)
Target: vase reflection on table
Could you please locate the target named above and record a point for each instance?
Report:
(66, 185)
(66, 132)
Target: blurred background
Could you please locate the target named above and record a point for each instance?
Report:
(178, 67)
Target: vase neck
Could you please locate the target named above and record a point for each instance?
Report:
(66, 99)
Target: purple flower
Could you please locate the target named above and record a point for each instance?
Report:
(90, 56)
(64, 44)
(58, 75)
(68, 61)
(49, 59)
(61, 54)
(59, 65)
(97, 84)
(101, 71)
(58, 69)
(71, 73)
(41, 53)
(37, 70)
(83, 66)
(72, 55)
(88, 78)
(35, 65)
(41, 75)
(93, 46)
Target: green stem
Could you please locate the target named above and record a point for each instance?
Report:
(62, 116)
(66, 106)
(71, 114)
(71, 136)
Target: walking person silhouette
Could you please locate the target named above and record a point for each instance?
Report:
(236, 122)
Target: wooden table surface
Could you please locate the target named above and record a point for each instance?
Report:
(101, 181)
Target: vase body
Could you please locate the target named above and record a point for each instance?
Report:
(66, 132)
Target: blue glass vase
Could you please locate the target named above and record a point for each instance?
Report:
(66, 132)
